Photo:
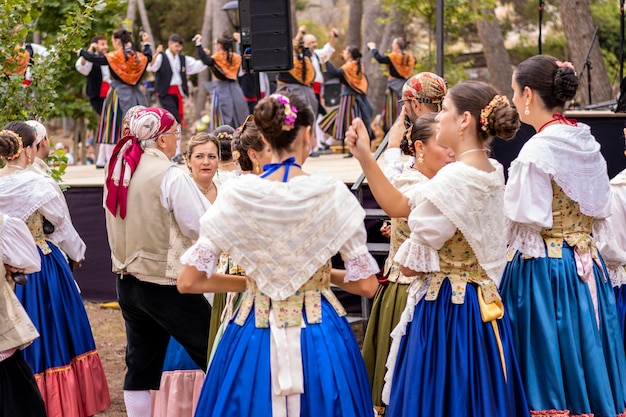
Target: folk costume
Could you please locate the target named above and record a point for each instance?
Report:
(64, 359)
(19, 393)
(614, 250)
(289, 349)
(300, 79)
(229, 105)
(555, 287)
(452, 353)
(153, 212)
(353, 101)
(127, 67)
(171, 83)
(390, 299)
(401, 66)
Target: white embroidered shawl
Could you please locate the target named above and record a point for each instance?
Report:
(473, 200)
(281, 233)
(23, 193)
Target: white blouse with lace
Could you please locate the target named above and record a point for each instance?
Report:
(281, 233)
(571, 157)
(613, 248)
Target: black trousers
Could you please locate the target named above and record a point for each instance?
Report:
(170, 103)
(19, 394)
(152, 313)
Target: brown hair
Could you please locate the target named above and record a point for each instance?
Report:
(422, 130)
(554, 84)
(474, 96)
(247, 137)
(200, 139)
(269, 116)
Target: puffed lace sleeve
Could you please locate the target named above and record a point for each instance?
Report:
(202, 255)
(430, 229)
(358, 261)
(18, 246)
(65, 235)
(527, 208)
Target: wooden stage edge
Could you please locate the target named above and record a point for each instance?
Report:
(346, 170)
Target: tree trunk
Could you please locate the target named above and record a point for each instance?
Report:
(144, 21)
(221, 24)
(579, 28)
(204, 75)
(355, 18)
(131, 12)
(496, 55)
(294, 18)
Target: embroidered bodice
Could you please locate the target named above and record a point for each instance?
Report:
(289, 311)
(459, 265)
(569, 224)
(399, 233)
(35, 225)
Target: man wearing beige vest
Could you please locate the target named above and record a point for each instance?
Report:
(19, 393)
(153, 211)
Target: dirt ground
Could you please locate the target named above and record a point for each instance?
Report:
(108, 331)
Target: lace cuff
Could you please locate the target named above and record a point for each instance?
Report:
(617, 275)
(417, 257)
(201, 256)
(360, 267)
(601, 230)
(526, 240)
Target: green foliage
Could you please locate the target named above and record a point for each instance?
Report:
(57, 161)
(44, 97)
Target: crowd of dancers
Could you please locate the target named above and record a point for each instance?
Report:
(495, 300)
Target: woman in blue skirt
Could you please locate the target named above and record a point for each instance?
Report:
(555, 288)
(452, 353)
(289, 349)
(64, 359)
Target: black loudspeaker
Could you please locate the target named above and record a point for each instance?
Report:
(266, 35)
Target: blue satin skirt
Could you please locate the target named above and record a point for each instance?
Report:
(177, 358)
(54, 305)
(620, 300)
(449, 364)
(567, 359)
(335, 381)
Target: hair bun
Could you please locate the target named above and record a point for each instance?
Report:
(565, 83)
(503, 122)
(269, 116)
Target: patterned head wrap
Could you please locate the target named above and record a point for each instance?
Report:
(426, 87)
(147, 124)
(40, 130)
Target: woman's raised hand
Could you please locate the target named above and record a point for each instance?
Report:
(358, 139)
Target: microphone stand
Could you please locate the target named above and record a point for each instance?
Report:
(587, 64)
(540, 9)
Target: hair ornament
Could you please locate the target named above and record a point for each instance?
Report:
(486, 111)
(291, 112)
(236, 155)
(224, 135)
(19, 143)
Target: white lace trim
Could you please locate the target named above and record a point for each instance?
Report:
(417, 257)
(584, 177)
(417, 291)
(617, 274)
(601, 231)
(202, 257)
(526, 239)
(360, 267)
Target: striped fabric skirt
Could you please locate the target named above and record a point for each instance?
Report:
(110, 126)
(391, 109)
(337, 121)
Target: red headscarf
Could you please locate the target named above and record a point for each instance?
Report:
(147, 124)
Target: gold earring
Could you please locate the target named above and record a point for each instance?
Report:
(257, 169)
(526, 110)
(461, 135)
(420, 158)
